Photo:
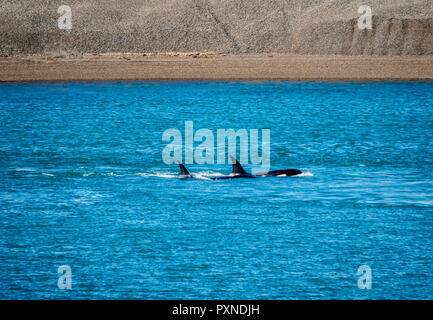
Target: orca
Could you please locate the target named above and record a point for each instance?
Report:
(280, 173)
(274, 173)
(184, 173)
(239, 172)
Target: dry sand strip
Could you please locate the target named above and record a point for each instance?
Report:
(211, 66)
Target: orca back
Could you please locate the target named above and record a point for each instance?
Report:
(286, 172)
(183, 170)
(237, 168)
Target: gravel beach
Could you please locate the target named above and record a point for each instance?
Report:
(198, 39)
(209, 66)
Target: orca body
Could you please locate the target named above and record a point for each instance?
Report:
(184, 173)
(239, 172)
(280, 173)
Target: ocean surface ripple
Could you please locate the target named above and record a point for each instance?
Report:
(83, 184)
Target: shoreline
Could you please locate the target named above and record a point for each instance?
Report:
(215, 66)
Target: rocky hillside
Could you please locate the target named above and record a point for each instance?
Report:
(400, 27)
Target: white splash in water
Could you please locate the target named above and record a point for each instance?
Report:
(47, 174)
(158, 174)
(112, 174)
(305, 174)
(206, 175)
(24, 169)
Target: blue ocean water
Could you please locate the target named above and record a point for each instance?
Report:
(83, 184)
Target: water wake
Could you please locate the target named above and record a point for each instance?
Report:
(305, 174)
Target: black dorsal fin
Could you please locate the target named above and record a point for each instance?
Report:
(183, 170)
(237, 168)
